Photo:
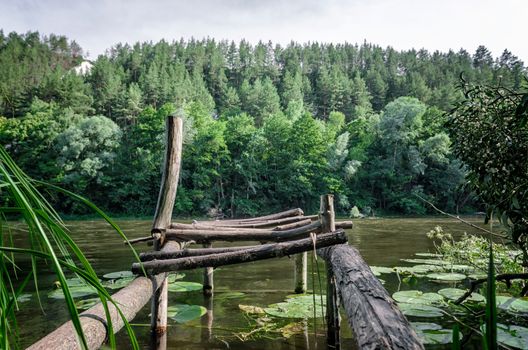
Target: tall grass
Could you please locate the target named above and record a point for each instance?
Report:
(48, 240)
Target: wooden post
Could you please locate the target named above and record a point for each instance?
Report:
(301, 273)
(162, 220)
(208, 284)
(327, 217)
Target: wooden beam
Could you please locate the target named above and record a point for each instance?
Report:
(180, 253)
(201, 236)
(279, 215)
(344, 224)
(292, 225)
(259, 223)
(374, 317)
(259, 253)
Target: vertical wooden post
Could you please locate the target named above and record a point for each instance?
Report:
(162, 219)
(327, 217)
(208, 284)
(301, 272)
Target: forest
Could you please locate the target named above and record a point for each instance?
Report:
(266, 127)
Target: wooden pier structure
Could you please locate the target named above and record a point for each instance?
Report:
(374, 317)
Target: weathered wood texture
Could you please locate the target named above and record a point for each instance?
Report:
(163, 216)
(333, 325)
(279, 215)
(130, 299)
(160, 255)
(201, 236)
(301, 273)
(258, 253)
(208, 284)
(171, 173)
(292, 225)
(257, 223)
(373, 315)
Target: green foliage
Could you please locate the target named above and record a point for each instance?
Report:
(266, 126)
(490, 132)
(48, 240)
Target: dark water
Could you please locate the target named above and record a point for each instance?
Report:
(382, 242)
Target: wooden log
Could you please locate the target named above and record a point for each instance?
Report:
(201, 236)
(203, 227)
(344, 224)
(293, 225)
(180, 253)
(260, 223)
(130, 299)
(374, 317)
(301, 273)
(162, 219)
(327, 217)
(171, 173)
(279, 215)
(208, 276)
(259, 253)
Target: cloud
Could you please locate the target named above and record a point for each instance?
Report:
(403, 24)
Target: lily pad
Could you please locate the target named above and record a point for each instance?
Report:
(429, 255)
(297, 307)
(250, 309)
(118, 283)
(173, 277)
(183, 286)
(118, 274)
(520, 305)
(403, 269)
(378, 270)
(417, 297)
(446, 276)
(427, 261)
(86, 303)
(461, 268)
(514, 336)
(512, 305)
(504, 302)
(22, 298)
(420, 310)
(435, 336)
(432, 333)
(424, 269)
(183, 313)
(76, 292)
(425, 326)
(292, 329)
(229, 295)
(455, 294)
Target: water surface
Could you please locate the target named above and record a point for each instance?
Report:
(382, 242)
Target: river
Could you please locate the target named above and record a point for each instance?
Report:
(382, 242)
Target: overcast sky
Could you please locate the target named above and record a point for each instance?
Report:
(403, 24)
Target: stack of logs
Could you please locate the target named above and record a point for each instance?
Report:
(289, 230)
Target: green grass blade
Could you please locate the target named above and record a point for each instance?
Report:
(491, 305)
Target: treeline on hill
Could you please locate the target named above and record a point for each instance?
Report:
(266, 127)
